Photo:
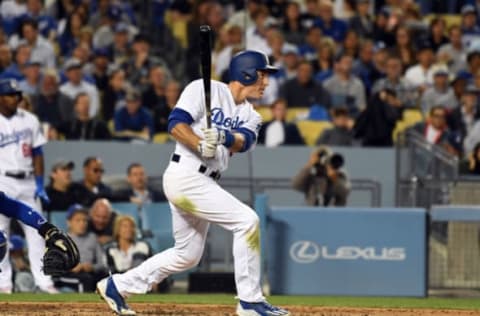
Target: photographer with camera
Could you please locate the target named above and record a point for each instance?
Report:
(322, 179)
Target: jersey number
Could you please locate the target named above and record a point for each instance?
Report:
(27, 150)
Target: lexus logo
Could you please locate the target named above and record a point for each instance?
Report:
(304, 251)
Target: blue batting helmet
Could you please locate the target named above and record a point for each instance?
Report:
(9, 87)
(3, 246)
(244, 66)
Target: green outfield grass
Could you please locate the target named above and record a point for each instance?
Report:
(386, 302)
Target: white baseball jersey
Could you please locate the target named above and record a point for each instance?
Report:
(18, 135)
(226, 114)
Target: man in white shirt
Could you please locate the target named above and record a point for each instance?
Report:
(421, 75)
(76, 85)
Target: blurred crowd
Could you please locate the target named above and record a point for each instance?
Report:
(113, 69)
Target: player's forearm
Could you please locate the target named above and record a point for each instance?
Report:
(184, 134)
(38, 168)
(239, 143)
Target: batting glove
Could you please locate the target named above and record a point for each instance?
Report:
(206, 149)
(218, 136)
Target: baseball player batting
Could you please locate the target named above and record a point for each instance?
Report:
(195, 197)
(61, 254)
(21, 177)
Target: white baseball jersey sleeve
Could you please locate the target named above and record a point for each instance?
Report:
(226, 114)
(18, 135)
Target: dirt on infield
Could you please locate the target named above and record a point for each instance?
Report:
(91, 309)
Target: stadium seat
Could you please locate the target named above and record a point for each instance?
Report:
(157, 218)
(264, 112)
(59, 219)
(160, 138)
(294, 114)
(126, 209)
(311, 130)
(410, 117)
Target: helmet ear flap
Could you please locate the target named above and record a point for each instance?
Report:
(250, 76)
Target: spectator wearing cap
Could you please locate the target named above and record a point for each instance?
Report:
(383, 30)
(82, 127)
(331, 26)
(113, 97)
(101, 220)
(292, 27)
(421, 74)
(459, 84)
(104, 34)
(91, 187)
(362, 21)
(15, 69)
(345, 88)
(278, 131)
(41, 48)
(92, 266)
(139, 64)
(32, 71)
(470, 28)
(161, 113)
(59, 189)
(138, 191)
(303, 91)
(76, 84)
(133, 122)
(440, 93)
(120, 49)
(313, 42)
(365, 67)
(463, 117)
(341, 133)
(453, 53)
(50, 105)
(289, 63)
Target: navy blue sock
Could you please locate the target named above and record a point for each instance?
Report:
(21, 211)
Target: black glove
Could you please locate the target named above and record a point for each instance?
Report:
(61, 253)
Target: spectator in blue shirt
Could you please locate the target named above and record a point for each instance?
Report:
(133, 122)
(15, 70)
(46, 23)
(330, 25)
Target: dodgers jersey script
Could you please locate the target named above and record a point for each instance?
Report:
(18, 135)
(225, 115)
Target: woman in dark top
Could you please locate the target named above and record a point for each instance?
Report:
(114, 95)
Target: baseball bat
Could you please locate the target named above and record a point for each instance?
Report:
(206, 66)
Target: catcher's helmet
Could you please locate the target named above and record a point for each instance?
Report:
(9, 87)
(3, 246)
(244, 66)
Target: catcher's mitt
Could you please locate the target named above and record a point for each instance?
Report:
(61, 253)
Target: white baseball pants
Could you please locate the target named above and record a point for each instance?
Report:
(23, 190)
(197, 200)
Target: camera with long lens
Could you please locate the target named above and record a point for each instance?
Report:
(325, 158)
